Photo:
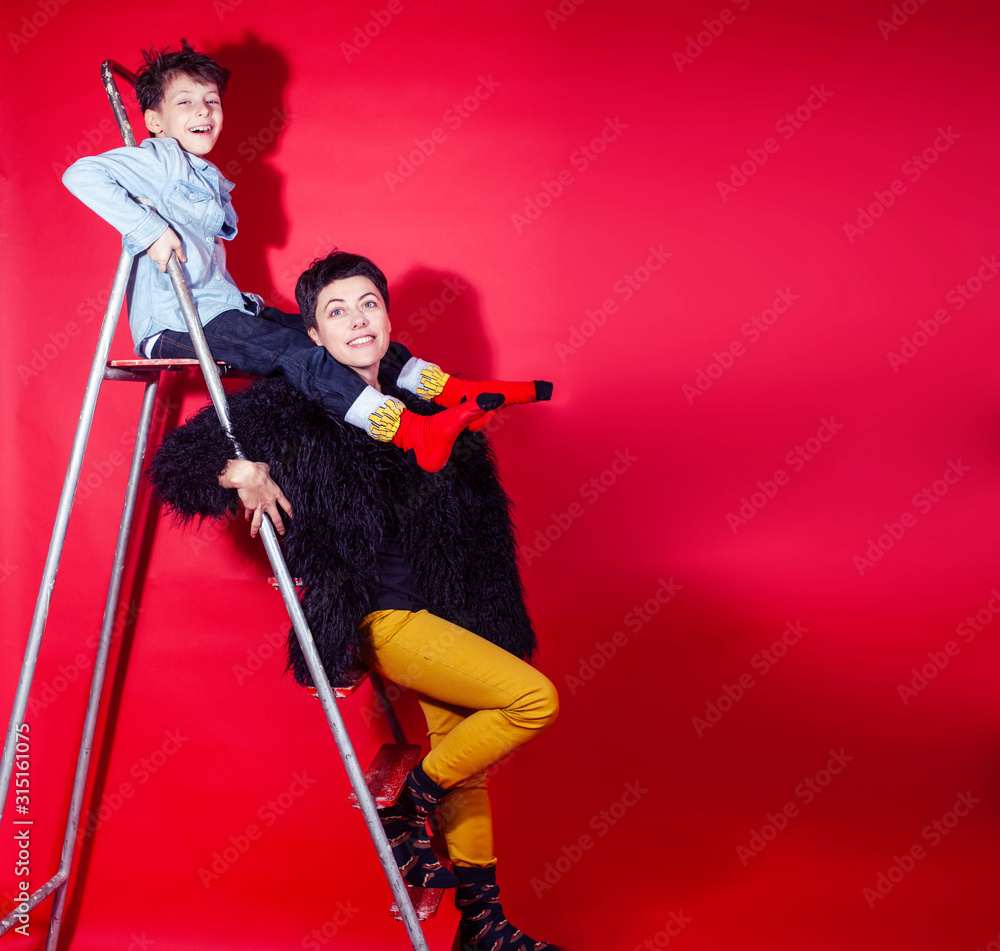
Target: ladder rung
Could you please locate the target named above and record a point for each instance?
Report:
(388, 771)
(425, 902)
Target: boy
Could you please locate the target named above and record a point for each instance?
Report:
(426, 591)
(180, 94)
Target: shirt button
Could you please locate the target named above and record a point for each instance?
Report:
(191, 196)
(218, 277)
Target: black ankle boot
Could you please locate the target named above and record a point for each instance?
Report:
(484, 926)
(405, 825)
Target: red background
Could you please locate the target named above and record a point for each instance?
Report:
(313, 129)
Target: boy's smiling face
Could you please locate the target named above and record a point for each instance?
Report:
(190, 112)
(352, 323)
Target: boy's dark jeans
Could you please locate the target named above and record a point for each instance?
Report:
(274, 343)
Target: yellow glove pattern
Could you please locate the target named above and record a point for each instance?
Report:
(383, 423)
(432, 381)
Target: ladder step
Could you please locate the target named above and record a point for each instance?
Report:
(385, 778)
(425, 902)
(353, 679)
(387, 773)
(168, 364)
(146, 371)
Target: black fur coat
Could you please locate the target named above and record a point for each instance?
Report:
(346, 489)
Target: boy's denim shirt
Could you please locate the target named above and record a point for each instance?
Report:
(192, 197)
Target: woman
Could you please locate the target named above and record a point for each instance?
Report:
(400, 566)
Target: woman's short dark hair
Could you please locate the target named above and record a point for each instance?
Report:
(335, 267)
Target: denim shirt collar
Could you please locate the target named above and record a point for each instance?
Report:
(201, 165)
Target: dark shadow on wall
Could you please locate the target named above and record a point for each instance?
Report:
(437, 315)
(255, 120)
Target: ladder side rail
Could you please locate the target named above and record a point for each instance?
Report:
(288, 593)
(36, 898)
(59, 882)
(63, 511)
(97, 374)
(108, 69)
(101, 662)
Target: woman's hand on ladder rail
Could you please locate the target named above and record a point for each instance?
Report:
(258, 492)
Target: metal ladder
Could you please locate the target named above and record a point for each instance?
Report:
(148, 372)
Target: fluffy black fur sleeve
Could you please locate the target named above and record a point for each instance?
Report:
(184, 472)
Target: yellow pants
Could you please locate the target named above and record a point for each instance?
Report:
(481, 703)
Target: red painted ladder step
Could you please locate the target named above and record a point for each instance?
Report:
(385, 778)
(425, 901)
(354, 677)
(387, 773)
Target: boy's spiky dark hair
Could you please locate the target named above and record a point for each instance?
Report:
(161, 66)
